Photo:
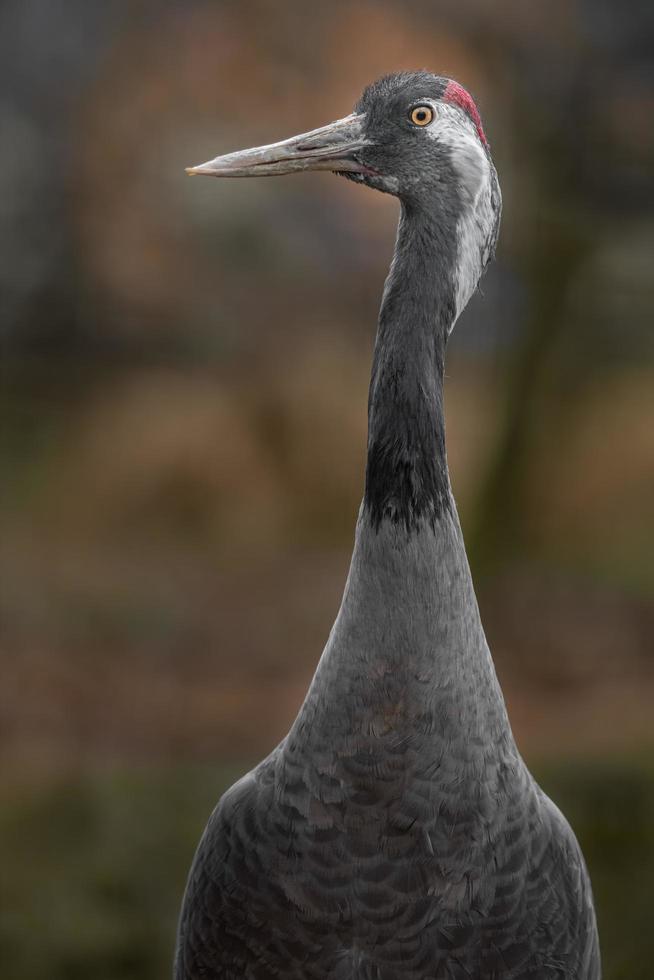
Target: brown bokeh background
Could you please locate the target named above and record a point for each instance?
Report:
(183, 419)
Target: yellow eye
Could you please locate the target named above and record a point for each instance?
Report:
(422, 115)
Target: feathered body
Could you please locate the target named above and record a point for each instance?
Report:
(396, 833)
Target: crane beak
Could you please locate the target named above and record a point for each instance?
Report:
(333, 147)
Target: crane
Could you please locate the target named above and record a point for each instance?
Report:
(396, 833)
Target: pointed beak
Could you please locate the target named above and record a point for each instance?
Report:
(333, 147)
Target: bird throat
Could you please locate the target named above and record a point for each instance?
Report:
(407, 480)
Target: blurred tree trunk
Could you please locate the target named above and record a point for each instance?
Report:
(500, 529)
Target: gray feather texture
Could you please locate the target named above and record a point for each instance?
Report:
(396, 833)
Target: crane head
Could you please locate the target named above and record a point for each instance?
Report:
(415, 135)
(406, 135)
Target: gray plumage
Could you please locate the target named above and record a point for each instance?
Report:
(396, 833)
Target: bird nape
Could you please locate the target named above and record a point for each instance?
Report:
(396, 833)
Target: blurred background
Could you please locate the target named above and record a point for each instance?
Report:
(183, 387)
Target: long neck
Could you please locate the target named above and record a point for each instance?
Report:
(407, 657)
(406, 473)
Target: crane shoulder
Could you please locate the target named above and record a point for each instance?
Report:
(558, 894)
(216, 918)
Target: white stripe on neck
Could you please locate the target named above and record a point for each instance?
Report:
(477, 219)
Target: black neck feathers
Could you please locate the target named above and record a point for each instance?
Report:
(407, 480)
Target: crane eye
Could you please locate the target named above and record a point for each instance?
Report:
(422, 115)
